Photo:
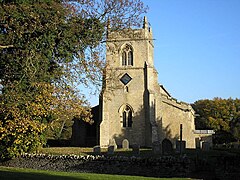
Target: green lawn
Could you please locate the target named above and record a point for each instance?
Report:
(143, 152)
(8, 173)
(66, 151)
(89, 151)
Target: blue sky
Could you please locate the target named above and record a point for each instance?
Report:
(197, 47)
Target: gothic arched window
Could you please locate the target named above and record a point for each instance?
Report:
(127, 117)
(127, 56)
(130, 58)
(124, 58)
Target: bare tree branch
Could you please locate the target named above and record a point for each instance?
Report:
(4, 47)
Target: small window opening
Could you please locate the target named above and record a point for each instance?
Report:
(125, 89)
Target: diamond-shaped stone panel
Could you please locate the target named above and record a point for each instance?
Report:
(125, 79)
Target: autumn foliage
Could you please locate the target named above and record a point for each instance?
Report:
(48, 49)
(221, 115)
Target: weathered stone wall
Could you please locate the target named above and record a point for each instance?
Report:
(155, 114)
(169, 114)
(222, 168)
(158, 167)
(203, 138)
(112, 122)
(116, 94)
(172, 114)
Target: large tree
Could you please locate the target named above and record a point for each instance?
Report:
(47, 49)
(221, 115)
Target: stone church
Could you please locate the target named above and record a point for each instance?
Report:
(133, 105)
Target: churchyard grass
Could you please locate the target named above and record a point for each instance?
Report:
(9, 173)
(128, 152)
(65, 151)
(89, 151)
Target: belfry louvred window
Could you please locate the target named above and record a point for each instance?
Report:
(124, 58)
(127, 56)
(127, 117)
(130, 58)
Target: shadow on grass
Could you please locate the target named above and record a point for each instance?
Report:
(15, 175)
(19, 174)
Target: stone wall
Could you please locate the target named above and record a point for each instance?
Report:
(203, 136)
(111, 125)
(116, 94)
(156, 115)
(172, 114)
(222, 168)
(159, 167)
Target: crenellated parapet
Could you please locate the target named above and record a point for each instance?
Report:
(144, 33)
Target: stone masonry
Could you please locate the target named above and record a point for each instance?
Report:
(133, 105)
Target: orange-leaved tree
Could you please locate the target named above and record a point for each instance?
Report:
(48, 49)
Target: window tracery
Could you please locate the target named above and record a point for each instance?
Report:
(127, 117)
(127, 56)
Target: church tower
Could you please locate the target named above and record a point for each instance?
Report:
(128, 95)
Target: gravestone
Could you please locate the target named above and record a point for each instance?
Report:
(112, 142)
(136, 149)
(197, 140)
(156, 147)
(167, 147)
(97, 150)
(111, 150)
(125, 144)
(182, 146)
(205, 146)
(201, 144)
